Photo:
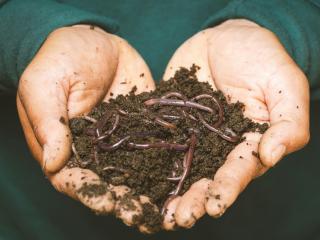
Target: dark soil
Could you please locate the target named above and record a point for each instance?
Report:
(146, 171)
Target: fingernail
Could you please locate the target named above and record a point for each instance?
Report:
(277, 154)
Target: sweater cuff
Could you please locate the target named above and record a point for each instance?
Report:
(296, 24)
(25, 25)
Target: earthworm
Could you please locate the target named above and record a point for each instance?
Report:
(186, 170)
(108, 148)
(109, 132)
(100, 124)
(164, 123)
(178, 103)
(188, 161)
(174, 94)
(163, 145)
(181, 96)
(232, 137)
(216, 101)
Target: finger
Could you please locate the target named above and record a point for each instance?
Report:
(287, 98)
(192, 204)
(45, 106)
(84, 61)
(169, 222)
(53, 88)
(28, 132)
(147, 224)
(193, 51)
(85, 186)
(132, 71)
(67, 181)
(241, 166)
(127, 207)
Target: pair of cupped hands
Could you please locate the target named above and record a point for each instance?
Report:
(77, 67)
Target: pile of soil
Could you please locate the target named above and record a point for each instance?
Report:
(140, 143)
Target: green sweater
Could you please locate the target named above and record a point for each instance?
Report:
(155, 28)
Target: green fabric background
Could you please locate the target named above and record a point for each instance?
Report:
(155, 28)
(283, 204)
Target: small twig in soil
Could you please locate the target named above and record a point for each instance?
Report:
(75, 152)
(172, 117)
(174, 179)
(95, 155)
(78, 158)
(90, 119)
(164, 123)
(123, 112)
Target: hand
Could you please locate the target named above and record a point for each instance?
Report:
(248, 64)
(76, 68)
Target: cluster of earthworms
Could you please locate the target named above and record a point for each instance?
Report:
(173, 99)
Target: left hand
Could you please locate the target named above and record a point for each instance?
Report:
(248, 64)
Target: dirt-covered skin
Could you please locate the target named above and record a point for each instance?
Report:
(146, 171)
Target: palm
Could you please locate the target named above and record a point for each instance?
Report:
(75, 69)
(248, 64)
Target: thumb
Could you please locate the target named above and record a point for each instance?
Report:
(192, 51)
(287, 98)
(59, 78)
(132, 71)
(45, 104)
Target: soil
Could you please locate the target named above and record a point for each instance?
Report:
(145, 171)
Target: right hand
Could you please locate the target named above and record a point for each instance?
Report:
(76, 68)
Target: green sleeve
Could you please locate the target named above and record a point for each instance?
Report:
(25, 24)
(295, 22)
